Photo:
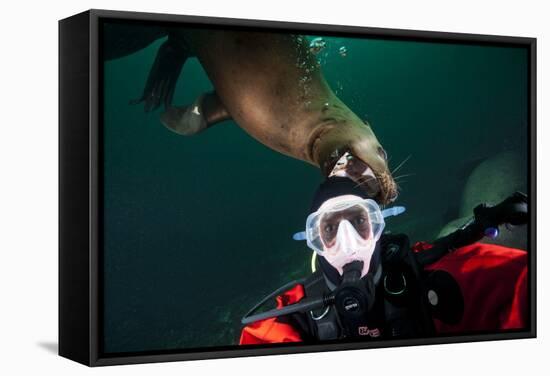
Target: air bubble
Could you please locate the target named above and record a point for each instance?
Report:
(343, 51)
(317, 45)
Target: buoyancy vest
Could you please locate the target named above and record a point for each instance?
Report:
(492, 279)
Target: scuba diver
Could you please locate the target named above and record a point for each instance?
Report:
(368, 284)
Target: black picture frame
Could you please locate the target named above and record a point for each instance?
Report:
(80, 195)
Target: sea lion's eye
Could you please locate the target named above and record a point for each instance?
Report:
(382, 153)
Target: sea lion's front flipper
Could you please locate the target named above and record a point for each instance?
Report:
(206, 111)
(164, 74)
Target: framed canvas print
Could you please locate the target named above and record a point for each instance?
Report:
(239, 187)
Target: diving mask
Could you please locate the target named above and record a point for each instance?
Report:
(345, 229)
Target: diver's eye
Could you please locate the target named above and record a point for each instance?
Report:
(329, 228)
(359, 220)
(382, 153)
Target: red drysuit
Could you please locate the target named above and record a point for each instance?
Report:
(493, 280)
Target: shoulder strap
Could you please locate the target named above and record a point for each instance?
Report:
(323, 323)
(271, 296)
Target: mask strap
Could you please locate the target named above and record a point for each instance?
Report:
(393, 211)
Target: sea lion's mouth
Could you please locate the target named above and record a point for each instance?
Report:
(380, 187)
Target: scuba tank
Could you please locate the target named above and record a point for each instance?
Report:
(398, 298)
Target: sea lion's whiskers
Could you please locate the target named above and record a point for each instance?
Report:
(366, 178)
(403, 176)
(401, 164)
(362, 180)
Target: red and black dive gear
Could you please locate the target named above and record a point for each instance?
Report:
(455, 285)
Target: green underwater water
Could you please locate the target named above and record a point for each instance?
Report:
(198, 229)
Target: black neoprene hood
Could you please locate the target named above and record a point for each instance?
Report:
(333, 187)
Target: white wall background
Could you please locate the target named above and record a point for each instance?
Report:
(28, 185)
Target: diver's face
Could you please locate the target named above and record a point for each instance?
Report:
(347, 229)
(356, 216)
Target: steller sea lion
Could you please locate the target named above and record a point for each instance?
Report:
(272, 86)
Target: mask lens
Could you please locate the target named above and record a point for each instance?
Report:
(356, 215)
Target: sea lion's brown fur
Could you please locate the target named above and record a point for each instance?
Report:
(273, 88)
(269, 83)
